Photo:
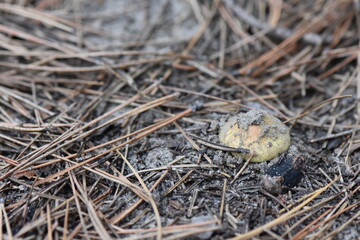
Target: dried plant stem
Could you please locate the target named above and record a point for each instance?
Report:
(285, 216)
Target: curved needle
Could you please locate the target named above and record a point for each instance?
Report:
(219, 146)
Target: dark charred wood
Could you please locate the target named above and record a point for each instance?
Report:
(284, 175)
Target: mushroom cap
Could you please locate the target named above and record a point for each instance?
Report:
(263, 134)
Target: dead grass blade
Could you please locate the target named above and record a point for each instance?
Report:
(285, 216)
(170, 120)
(124, 213)
(150, 198)
(317, 107)
(33, 14)
(104, 105)
(7, 222)
(100, 229)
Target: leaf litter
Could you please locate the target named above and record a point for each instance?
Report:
(101, 100)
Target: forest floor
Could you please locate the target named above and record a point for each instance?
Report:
(103, 103)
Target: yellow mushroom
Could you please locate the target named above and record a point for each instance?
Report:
(263, 134)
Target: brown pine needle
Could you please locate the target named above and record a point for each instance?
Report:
(151, 199)
(285, 216)
(317, 107)
(106, 109)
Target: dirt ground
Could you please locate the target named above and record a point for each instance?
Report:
(108, 108)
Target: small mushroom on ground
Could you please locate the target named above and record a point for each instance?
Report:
(266, 137)
(263, 134)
